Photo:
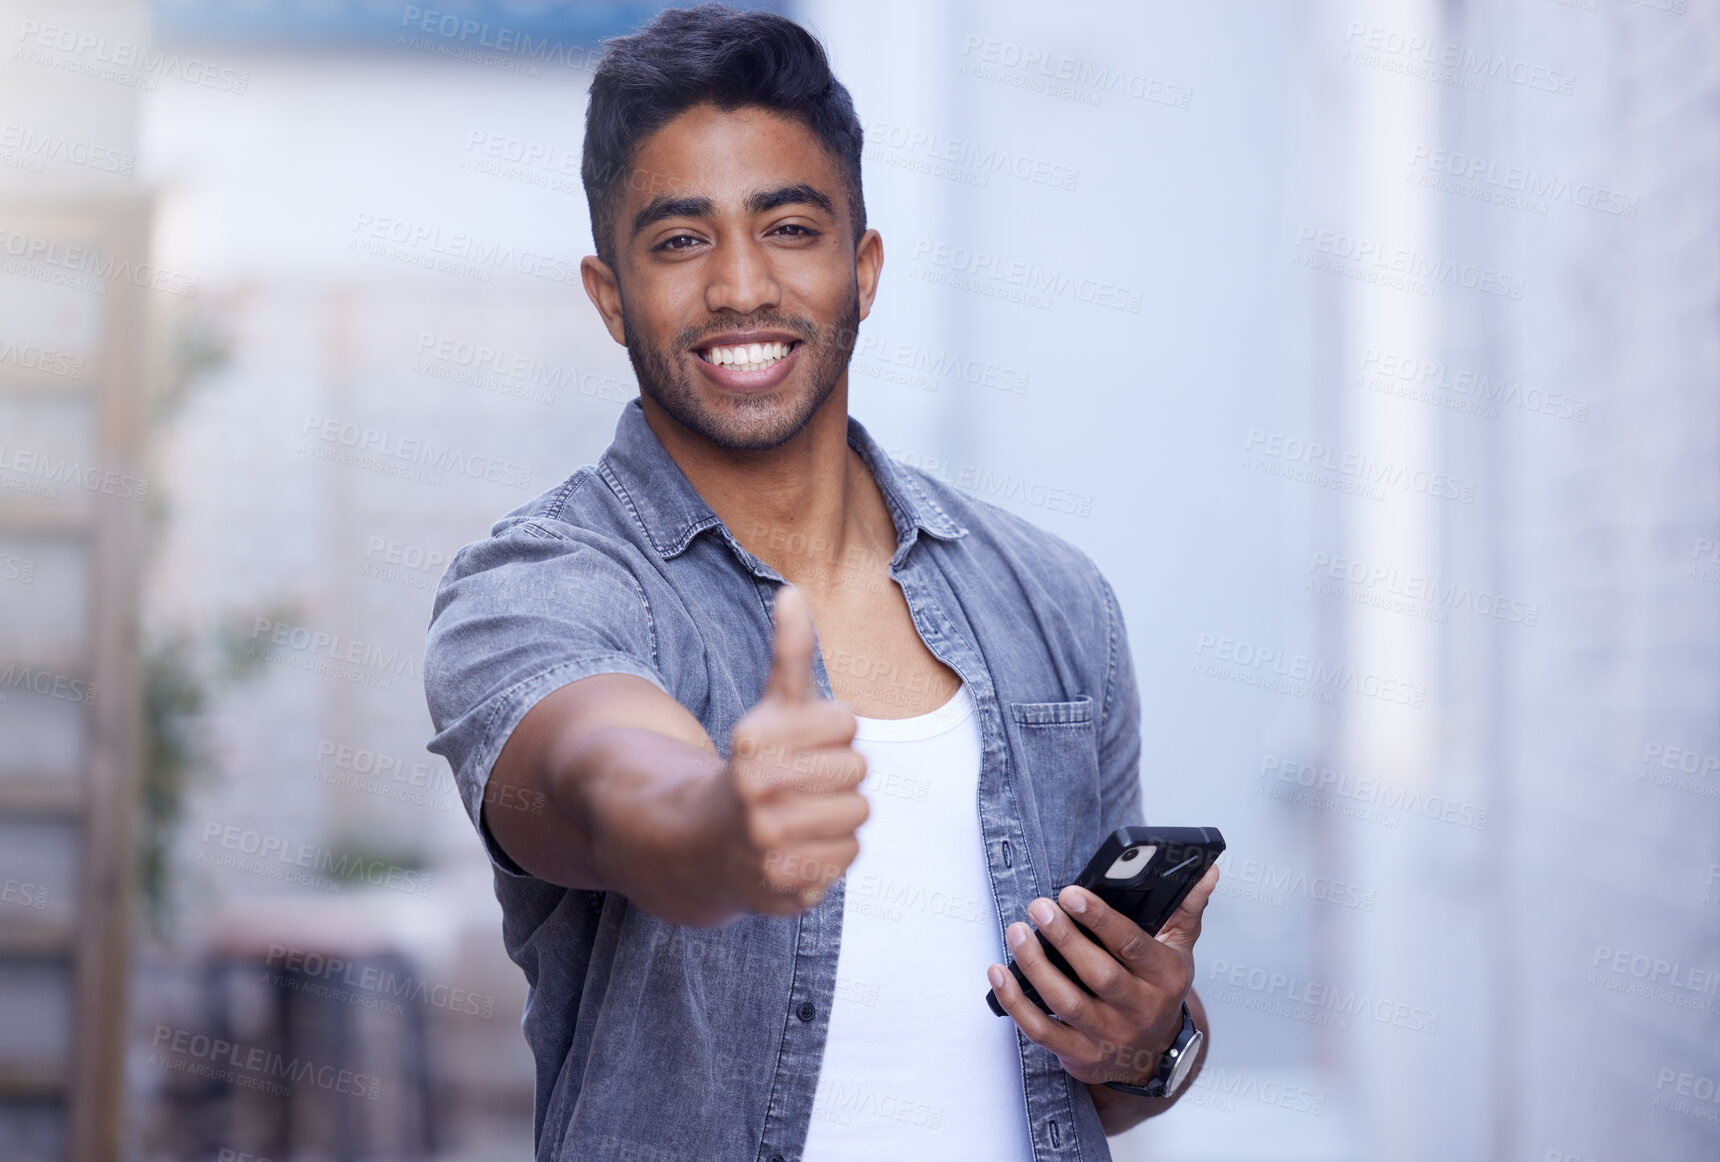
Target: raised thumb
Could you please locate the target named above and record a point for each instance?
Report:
(791, 652)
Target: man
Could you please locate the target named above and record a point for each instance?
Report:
(660, 685)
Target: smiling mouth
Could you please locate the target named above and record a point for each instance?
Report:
(747, 356)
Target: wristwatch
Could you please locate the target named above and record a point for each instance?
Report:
(1174, 1067)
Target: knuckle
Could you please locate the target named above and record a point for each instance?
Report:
(1105, 978)
(765, 834)
(1074, 1011)
(744, 743)
(744, 777)
(1131, 948)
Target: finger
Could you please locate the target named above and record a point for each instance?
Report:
(1126, 941)
(791, 648)
(811, 778)
(1029, 1017)
(1065, 997)
(836, 769)
(818, 773)
(774, 732)
(792, 870)
(1097, 968)
(774, 888)
(823, 818)
(1183, 928)
(790, 901)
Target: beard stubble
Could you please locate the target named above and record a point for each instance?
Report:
(750, 423)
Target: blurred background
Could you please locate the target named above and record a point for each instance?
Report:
(1371, 349)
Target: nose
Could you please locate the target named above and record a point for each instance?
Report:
(740, 278)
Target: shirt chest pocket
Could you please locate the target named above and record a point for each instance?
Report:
(1058, 769)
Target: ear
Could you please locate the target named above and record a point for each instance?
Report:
(868, 263)
(605, 294)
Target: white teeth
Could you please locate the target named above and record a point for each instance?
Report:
(749, 356)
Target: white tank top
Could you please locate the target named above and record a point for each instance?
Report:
(916, 1065)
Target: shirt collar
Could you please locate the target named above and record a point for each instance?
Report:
(671, 512)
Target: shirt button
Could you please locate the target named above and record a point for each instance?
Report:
(806, 1011)
(776, 1158)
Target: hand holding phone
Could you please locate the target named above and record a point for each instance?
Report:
(1143, 873)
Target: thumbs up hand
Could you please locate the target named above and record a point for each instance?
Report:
(795, 777)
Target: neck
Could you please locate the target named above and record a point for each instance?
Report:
(803, 507)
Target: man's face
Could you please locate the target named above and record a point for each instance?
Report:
(737, 287)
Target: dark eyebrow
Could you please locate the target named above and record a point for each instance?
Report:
(763, 201)
(758, 202)
(663, 206)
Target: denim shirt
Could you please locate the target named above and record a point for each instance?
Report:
(656, 1041)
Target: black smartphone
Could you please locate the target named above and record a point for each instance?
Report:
(1142, 872)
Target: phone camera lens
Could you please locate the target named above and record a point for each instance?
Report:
(1131, 853)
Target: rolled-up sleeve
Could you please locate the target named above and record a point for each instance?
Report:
(517, 616)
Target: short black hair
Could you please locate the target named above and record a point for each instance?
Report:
(709, 55)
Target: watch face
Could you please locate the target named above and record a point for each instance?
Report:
(1185, 1062)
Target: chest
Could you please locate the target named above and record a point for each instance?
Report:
(873, 654)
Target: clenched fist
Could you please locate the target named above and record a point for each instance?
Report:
(794, 777)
